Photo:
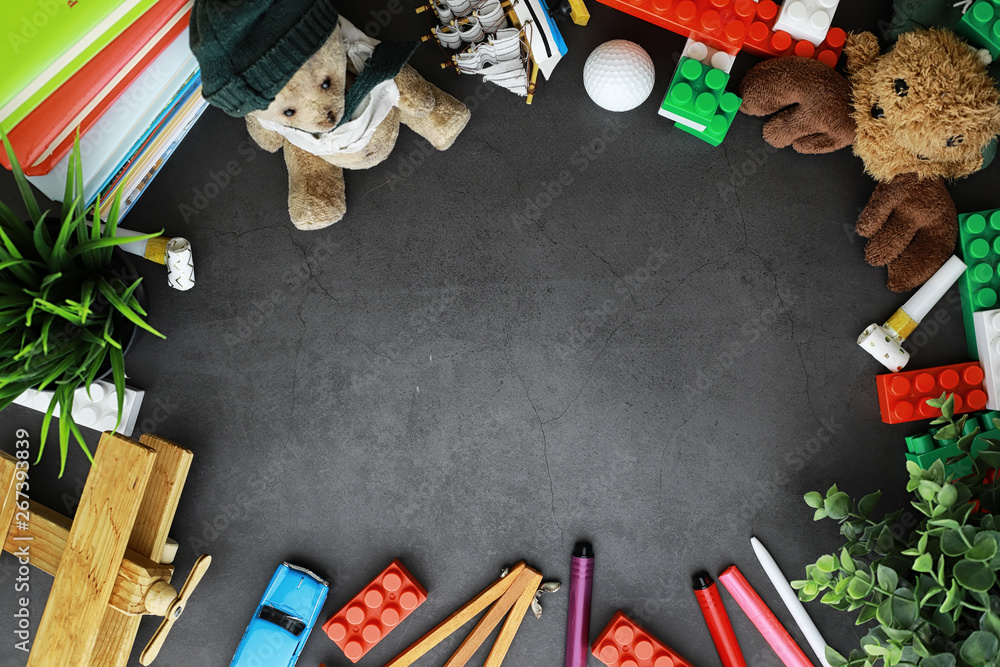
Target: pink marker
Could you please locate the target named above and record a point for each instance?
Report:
(762, 617)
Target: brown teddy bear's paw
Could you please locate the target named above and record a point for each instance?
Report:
(416, 96)
(928, 251)
(884, 248)
(442, 126)
(909, 272)
(310, 214)
(315, 204)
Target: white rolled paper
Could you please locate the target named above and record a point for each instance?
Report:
(180, 264)
(877, 342)
(927, 296)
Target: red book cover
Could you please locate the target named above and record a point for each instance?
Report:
(46, 135)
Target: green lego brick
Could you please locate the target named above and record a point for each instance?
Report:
(718, 127)
(981, 25)
(986, 419)
(695, 91)
(950, 448)
(979, 285)
(921, 443)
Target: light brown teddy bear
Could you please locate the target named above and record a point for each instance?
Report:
(333, 107)
(919, 115)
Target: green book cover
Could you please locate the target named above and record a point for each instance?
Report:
(47, 41)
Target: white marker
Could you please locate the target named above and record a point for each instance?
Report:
(791, 600)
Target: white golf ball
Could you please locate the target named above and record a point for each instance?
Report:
(618, 75)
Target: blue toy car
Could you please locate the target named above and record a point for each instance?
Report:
(285, 616)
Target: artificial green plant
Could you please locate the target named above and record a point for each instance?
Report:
(64, 311)
(928, 576)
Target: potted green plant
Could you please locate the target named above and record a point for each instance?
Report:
(66, 306)
(932, 591)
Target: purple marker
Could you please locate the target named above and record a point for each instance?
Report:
(581, 581)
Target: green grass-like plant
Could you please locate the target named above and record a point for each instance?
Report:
(64, 311)
(926, 579)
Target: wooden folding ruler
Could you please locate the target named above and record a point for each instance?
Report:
(512, 593)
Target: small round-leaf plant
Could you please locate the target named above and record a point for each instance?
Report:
(932, 593)
(64, 309)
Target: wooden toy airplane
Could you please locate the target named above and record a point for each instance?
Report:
(108, 562)
(512, 593)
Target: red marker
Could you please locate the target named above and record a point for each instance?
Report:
(718, 621)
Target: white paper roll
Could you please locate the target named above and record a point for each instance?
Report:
(180, 264)
(877, 342)
(924, 298)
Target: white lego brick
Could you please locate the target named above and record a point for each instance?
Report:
(99, 411)
(680, 119)
(807, 19)
(987, 325)
(706, 55)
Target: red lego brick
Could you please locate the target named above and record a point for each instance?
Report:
(764, 42)
(375, 611)
(721, 24)
(902, 397)
(623, 643)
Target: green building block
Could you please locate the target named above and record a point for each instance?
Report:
(924, 450)
(981, 25)
(979, 285)
(695, 92)
(718, 127)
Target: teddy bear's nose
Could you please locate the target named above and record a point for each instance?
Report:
(330, 116)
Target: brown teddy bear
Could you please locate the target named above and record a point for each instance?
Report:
(306, 80)
(919, 115)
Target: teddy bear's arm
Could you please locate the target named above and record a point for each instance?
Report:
(416, 97)
(808, 102)
(911, 225)
(269, 140)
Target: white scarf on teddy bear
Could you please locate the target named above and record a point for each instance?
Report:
(355, 134)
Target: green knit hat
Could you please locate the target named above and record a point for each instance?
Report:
(249, 49)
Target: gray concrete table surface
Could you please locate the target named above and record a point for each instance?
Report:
(661, 359)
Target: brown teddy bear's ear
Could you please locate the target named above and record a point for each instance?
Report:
(862, 50)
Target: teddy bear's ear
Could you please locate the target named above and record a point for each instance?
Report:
(862, 50)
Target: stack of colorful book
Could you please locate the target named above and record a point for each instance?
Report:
(117, 73)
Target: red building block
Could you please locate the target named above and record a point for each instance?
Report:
(762, 40)
(622, 643)
(375, 611)
(902, 397)
(721, 24)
